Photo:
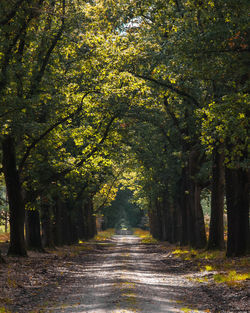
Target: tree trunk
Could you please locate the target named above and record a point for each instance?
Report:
(167, 218)
(89, 219)
(177, 223)
(85, 220)
(58, 226)
(174, 224)
(33, 231)
(216, 228)
(6, 222)
(237, 196)
(201, 238)
(73, 226)
(16, 203)
(47, 228)
(158, 229)
(80, 221)
(150, 217)
(154, 220)
(93, 220)
(170, 226)
(196, 219)
(164, 221)
(182, 195)
(66, 224)
(191, 219)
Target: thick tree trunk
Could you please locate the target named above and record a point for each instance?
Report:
(47, 227)
(167, 218)
(216, 228)
(170, 228)
(177, 223)
(80, 222)
(184, 208)
(33, 230)
(58, 226)
(73, 227)
(90, 223)
(191, 218)
(16, 203)
(66, 224)
(93, 220)
(201, 239)
(155, 228)
(85, 219)
(150, 217)
(158, 226)
(196, 219)
(237, 196)
(173, 224)
(164, 221)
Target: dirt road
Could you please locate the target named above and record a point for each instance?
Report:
(114, 276)
(126, 276)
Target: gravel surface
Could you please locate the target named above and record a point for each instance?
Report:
(114, 276)
(126, 276)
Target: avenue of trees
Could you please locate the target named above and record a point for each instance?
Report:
(93, 91)
(123, 209)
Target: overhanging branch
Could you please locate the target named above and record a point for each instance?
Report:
(43, 135)
(57, 176)
(170, 87)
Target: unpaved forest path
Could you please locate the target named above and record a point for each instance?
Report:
(117, 275)
(124, 275)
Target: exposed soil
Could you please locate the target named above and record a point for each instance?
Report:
(119, 275)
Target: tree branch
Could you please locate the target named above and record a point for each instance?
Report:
(45, 61)
(43, 135)
(105, 135)
(109, 190)
(170, 87)
(175, 121)
(57, 176)
(8, 54)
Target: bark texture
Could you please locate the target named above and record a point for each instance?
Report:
(237, 196)
(33, 230)
(216, 228)
(16, 204)
(47, 226)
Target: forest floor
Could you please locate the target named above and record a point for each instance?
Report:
(123, 274)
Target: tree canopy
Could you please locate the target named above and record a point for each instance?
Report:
(154, 93)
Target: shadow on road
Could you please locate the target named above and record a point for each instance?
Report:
(127, 277)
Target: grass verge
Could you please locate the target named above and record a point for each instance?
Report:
(215, 267)
(104, 235)
(145, 236)
(3, 235)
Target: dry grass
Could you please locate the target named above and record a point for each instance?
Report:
(3, 238)
(233, 272)
(105, 235)
(144, 235)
